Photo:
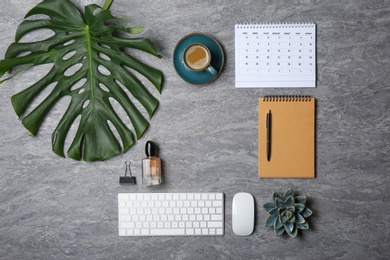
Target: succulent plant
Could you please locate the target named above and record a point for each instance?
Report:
(287, 213)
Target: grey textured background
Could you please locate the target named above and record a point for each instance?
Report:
(55, 208)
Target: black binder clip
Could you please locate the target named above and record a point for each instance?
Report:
(128, 178)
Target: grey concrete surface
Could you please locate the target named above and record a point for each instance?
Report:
(56, 208)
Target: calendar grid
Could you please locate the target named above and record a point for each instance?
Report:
(275, 55)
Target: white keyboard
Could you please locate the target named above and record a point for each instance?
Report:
(171, 214)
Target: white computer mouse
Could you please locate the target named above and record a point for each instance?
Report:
(243, 214)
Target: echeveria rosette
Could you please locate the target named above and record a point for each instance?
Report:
(287, 213)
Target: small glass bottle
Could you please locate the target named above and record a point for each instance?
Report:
(151, 166)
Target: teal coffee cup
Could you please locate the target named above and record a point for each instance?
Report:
(197, 57)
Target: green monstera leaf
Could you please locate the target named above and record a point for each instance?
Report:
(96, 48)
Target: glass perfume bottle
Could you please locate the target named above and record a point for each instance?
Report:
(151, 166)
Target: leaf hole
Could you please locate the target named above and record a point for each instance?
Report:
(78, 84)
(38, 17)
(103, 87)
(40, 97)
(31, 75)
(73, 69)
(115, 132)
(104, 46)
(104, 56)
(135, 101)
(96, 11)
(69, 42)
(69, 55)
(86, 103)
(81, 91)
(72, 132)
(103, 70)
(22, 54)
(121, 114)
(37, 35)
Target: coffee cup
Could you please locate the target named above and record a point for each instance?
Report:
(197, 57)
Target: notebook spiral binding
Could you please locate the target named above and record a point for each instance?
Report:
(287, 98)
(275, 25)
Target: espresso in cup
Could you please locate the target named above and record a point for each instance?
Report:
(197, 57)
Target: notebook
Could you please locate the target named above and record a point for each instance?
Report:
(275, 55)
(292, 137)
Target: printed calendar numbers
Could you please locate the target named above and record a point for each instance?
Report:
(275, 55)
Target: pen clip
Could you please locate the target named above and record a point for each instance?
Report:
(267, 119)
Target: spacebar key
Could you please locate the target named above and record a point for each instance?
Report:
(167, 232)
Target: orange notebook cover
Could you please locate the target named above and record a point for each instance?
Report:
(292, 137)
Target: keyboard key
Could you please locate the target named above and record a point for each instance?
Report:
(215, 224)
(216, 217)
(127, 225)
(217, 203)
(167, 232)
(123, 211)
(122, 232)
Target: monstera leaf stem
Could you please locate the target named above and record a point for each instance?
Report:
(107, 4)
(88, 44)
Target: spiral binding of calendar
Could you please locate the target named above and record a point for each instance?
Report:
(275, 25)
(287, 98)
